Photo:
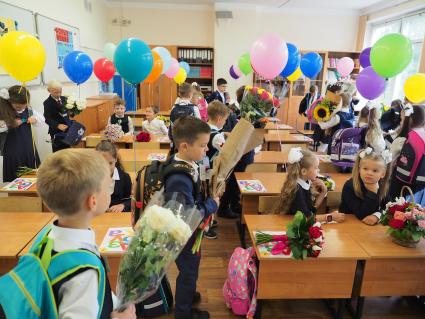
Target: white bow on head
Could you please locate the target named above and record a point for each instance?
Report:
(295, 155)
(4, 93)
(385, 154)
(408, 110)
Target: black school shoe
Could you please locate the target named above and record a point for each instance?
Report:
(196, 297)
(227, 213)
(214, 224)
(210, 234)
(195, 314)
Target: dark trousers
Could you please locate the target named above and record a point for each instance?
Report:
(188, 266)
(58, 145)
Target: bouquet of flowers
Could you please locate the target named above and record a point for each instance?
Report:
(166, 119)
(322, 110)
(303, 238)
(406, 221)
(256, 104)
(329, 182)
(113, 132)
(74, 106)
(160, 235)
(143, 137)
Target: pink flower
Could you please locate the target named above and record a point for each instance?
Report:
(265, 96)
(399, 215)
(421, 223)
(276, 102)
(409, 216)
(417, 213)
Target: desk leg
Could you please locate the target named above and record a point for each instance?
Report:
(258, 309)
(359, 301)
(242, 230)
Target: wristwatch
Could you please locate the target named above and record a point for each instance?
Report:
(328, 218)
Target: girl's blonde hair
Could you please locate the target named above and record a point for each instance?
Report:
(363, 116)
(374, 130)
(383, 183)
(289, 188)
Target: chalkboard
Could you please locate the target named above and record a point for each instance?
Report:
(15, 18)
(59, 39)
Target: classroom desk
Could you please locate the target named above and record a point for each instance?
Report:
(18, 230)
(124, 142)
(30, 192)
(164, 141)
(330, 276)
(306, 132)
(277, 126)
(273, 141)
(141, 113)
(271, 157)
(140, 157)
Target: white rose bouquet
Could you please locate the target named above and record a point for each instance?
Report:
(160, 235)
(74, 106)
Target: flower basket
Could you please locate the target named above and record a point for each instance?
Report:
(405, 220)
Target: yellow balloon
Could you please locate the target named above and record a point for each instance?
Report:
(295, 76)
(21, 55)
(181, 76)
(414, 88)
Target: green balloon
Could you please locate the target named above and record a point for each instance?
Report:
(245, 64)
(391, 54)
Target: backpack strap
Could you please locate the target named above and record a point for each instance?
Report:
(252, 268)
(180, 167)
(35, 248)
(140, 179)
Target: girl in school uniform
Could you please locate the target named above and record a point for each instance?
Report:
(19, 146)
(121, 193)
(366, 193)
(302, 190)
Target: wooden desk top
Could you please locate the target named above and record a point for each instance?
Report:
(162, 139)
(277, 126)
(127, 139)
(127, 155)
(272, 182)
(287, 139)
(19, 229)
(338, 244)
(271, 157)
(306, 132)
(142, 112)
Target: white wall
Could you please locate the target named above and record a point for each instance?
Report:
(93, 36)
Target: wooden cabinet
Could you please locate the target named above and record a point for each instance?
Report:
(95, 116)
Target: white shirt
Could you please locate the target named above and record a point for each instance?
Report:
(79, 294)
(130, 125)
(155, 127)
(3, 127)
(187, 102)
(222, 96)
(304, 184)
(334, 120)
(194, 166)
(218, 139)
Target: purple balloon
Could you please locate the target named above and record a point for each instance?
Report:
(233, 73)
(369, 84)
(365, 58)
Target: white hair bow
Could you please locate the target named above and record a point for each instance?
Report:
(4, 93)
(366, 151)
(385, 154)
(295, 155)
(408, 110)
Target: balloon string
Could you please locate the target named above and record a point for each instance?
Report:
(31, 126)
(134, 122)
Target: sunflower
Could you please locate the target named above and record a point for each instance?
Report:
(321, 113)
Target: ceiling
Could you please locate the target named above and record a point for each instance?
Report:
(307, 4)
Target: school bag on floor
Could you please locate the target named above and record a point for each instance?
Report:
(240, 287)
(346, 143)
(27, 290)
(410, 165)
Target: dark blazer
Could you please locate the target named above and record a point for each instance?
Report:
(52, 114)
(216, 96)
(122, 191)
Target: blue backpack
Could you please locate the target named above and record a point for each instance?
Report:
(26, 291)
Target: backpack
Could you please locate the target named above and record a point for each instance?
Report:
(160, 303)
(27, 290)
(240, 287)
(345, 145)
(410, 165)
(73, 134)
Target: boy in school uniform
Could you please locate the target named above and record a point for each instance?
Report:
(191, 136)
(84, 176)
(119, 117)
(152, 125)
(221, 93)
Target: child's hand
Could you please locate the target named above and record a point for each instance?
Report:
(128, 313)
(116, 208)
(337, 216)
(217, 200)
(62, 127)
(370, 220)
(320, 186)
(32, 120)
(373, 187)
(18, 122)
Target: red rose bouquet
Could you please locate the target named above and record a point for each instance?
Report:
(406, 221)
(143, 137)
(303, 238)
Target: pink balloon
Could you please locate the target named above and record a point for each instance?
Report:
(269, 55)
(173, 69)
(236, 69)
(345, 66)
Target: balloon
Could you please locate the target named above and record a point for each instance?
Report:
(345, 66)
(109, 50)
(294, 58)
(311, 64)
(269, 55)
(133, 60)
(180, 77)
(233, 73)
(77, 66)
(173, 69)
(369, 84)
(237, 71)
(365, 57)
(22, 55)
(185, 66)
(391, 54)
(295, 76)
(104, 69)
(156, 70)
(245, 64)
(414, 88)
(165, 57)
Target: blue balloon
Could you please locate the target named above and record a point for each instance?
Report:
(77, 66)
(133, 60)
(311, 64)
(294, 58)
(185, 66)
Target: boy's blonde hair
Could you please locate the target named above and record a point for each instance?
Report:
(119, 102)
(54, 84)
(185, 90)
(217, 109)
(66, 178)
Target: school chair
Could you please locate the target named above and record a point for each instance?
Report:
(333, 200)
(147, 145)
(20, 204)
(266, 204)
(92, 141)
(260, 167)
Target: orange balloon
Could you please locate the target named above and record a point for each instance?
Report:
(156, 69)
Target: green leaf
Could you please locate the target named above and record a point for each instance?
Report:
(416, 236)
(304, 253)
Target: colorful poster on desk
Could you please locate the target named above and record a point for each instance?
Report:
(254, 186)
(116, 239)
(64, 44)
(20, 184)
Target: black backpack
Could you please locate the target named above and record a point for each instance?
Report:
(160, 303)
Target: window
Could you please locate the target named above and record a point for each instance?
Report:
(413, 27)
